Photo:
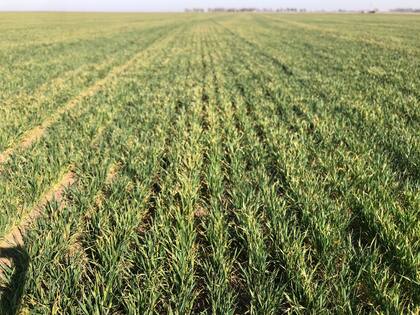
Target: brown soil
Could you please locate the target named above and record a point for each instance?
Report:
(14, 239)
(36, 133)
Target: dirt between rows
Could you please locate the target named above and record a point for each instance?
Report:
(14, 238)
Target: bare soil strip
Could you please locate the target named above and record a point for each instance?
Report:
(14, 239)
(36, 133)
(58, 83)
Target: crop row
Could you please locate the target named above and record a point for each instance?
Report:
(225, 164)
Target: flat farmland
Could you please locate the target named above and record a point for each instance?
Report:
(209, 163)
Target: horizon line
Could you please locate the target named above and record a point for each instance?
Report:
(206, 10)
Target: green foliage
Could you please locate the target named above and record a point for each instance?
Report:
(224, 164)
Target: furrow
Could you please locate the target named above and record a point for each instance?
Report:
(15, 237)
(36, 133)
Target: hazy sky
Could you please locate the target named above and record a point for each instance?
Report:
(168, 5)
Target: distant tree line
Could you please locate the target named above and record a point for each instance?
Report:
(200, 10)
(405, 10)
(195, 10)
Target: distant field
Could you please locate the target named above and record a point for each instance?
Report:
(209, 163)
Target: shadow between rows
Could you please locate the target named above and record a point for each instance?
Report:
(12, 288)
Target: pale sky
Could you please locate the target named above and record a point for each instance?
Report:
(180, 5)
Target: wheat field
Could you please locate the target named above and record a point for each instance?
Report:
(209, 163)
